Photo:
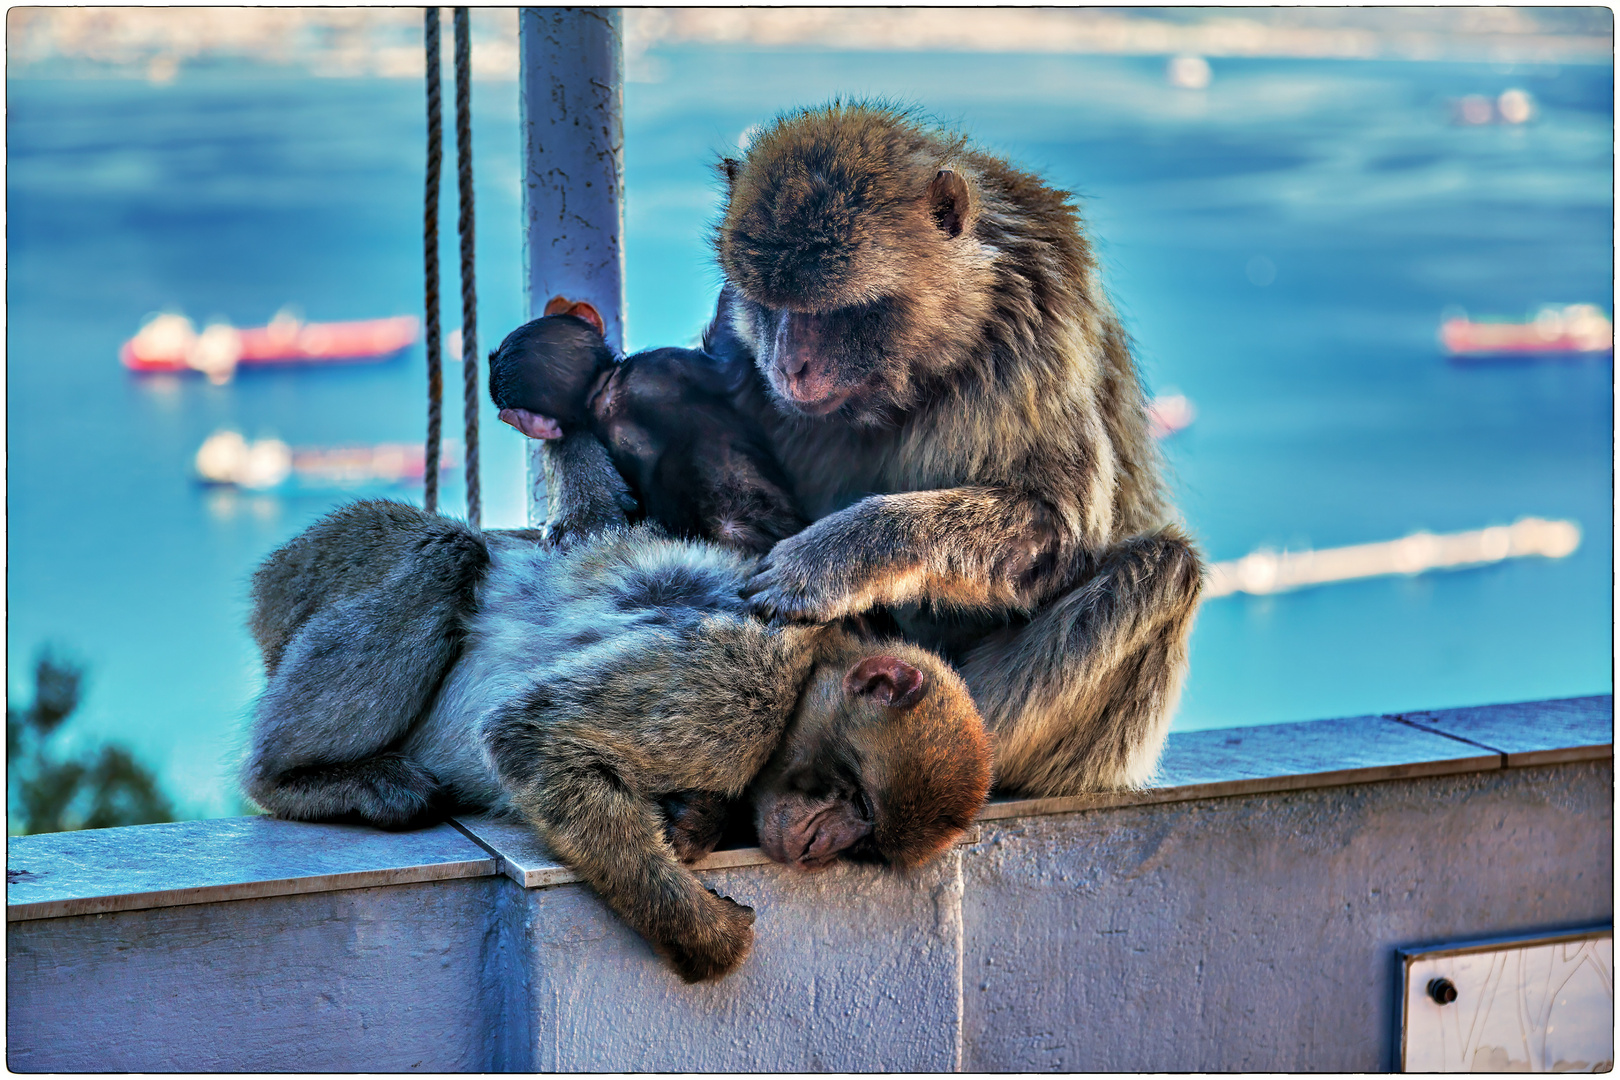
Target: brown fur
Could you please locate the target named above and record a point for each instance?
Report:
(955, 402)
(416, 665)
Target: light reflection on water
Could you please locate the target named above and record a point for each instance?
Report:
(1281, 244)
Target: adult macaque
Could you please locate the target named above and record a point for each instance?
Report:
(919, 328)
(416, 666)
(956, 406)
(695, 464)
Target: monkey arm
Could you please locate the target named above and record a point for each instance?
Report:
(584, 492)
(574, 789)
(587, 750)
(969, 547)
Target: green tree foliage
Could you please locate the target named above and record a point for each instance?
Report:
(103, 786)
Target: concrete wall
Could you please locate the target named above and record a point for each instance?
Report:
(1258, 933)
(1241, 915)
(383, 979)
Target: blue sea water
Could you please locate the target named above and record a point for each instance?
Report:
(1326, 414)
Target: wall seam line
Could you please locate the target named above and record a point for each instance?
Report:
(961, 957)
(1401, 719)
(502, 867)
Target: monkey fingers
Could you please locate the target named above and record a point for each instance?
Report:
(807, 578)
(697, 821)
(777, 602)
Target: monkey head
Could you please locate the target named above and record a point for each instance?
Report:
(851, 238)
(886, 761)
(544, 372)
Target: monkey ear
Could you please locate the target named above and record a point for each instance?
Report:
(948, 202)
(892, 681)
(561, 305)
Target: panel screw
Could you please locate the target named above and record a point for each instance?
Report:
(1443, 990)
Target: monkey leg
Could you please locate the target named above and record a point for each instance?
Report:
(389, 791)
(1079, 697)
(352, 681)
(353, 550)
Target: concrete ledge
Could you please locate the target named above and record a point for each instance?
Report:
(1244, 914)
(205, 862)
(1530, 733)
(1226, 762)
(522, 856)
(198, 862)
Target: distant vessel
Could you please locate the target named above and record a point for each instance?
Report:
(227, 459)
(169, 342)
(1578, 329)
(1262, 572)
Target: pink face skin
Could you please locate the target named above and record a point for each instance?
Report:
(809, 834)
(800, 370)
(809, 831)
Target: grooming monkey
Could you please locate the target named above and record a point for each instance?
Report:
(920, 329)
(417, 666)
(957, 409)
(696, 466)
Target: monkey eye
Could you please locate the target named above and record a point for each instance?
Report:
(864, 805)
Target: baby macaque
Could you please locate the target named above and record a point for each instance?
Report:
(696, 465)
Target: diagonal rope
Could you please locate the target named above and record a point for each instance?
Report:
(430, 263)
(469, 291)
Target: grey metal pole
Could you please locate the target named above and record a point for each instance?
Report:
(571, 101)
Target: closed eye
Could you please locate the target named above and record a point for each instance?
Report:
(864, 805)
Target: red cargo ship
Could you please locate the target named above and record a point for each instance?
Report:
(1580, 329)
(169, 342)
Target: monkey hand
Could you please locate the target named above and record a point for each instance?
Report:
(814, 576)
(718, 941)
(696, 820)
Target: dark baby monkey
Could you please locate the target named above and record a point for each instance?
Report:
(416, 666)
(695, 464)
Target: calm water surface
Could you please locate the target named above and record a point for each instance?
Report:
(1325, 414)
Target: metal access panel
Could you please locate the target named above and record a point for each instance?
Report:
(1528, 1004)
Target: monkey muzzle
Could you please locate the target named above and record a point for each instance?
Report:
(808, 834)
(802, 369)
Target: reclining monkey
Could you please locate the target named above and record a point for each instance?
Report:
(415, 666)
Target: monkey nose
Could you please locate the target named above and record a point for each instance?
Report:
(810, 387)
(792, 364)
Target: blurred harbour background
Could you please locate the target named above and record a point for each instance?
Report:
(1287, 203)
